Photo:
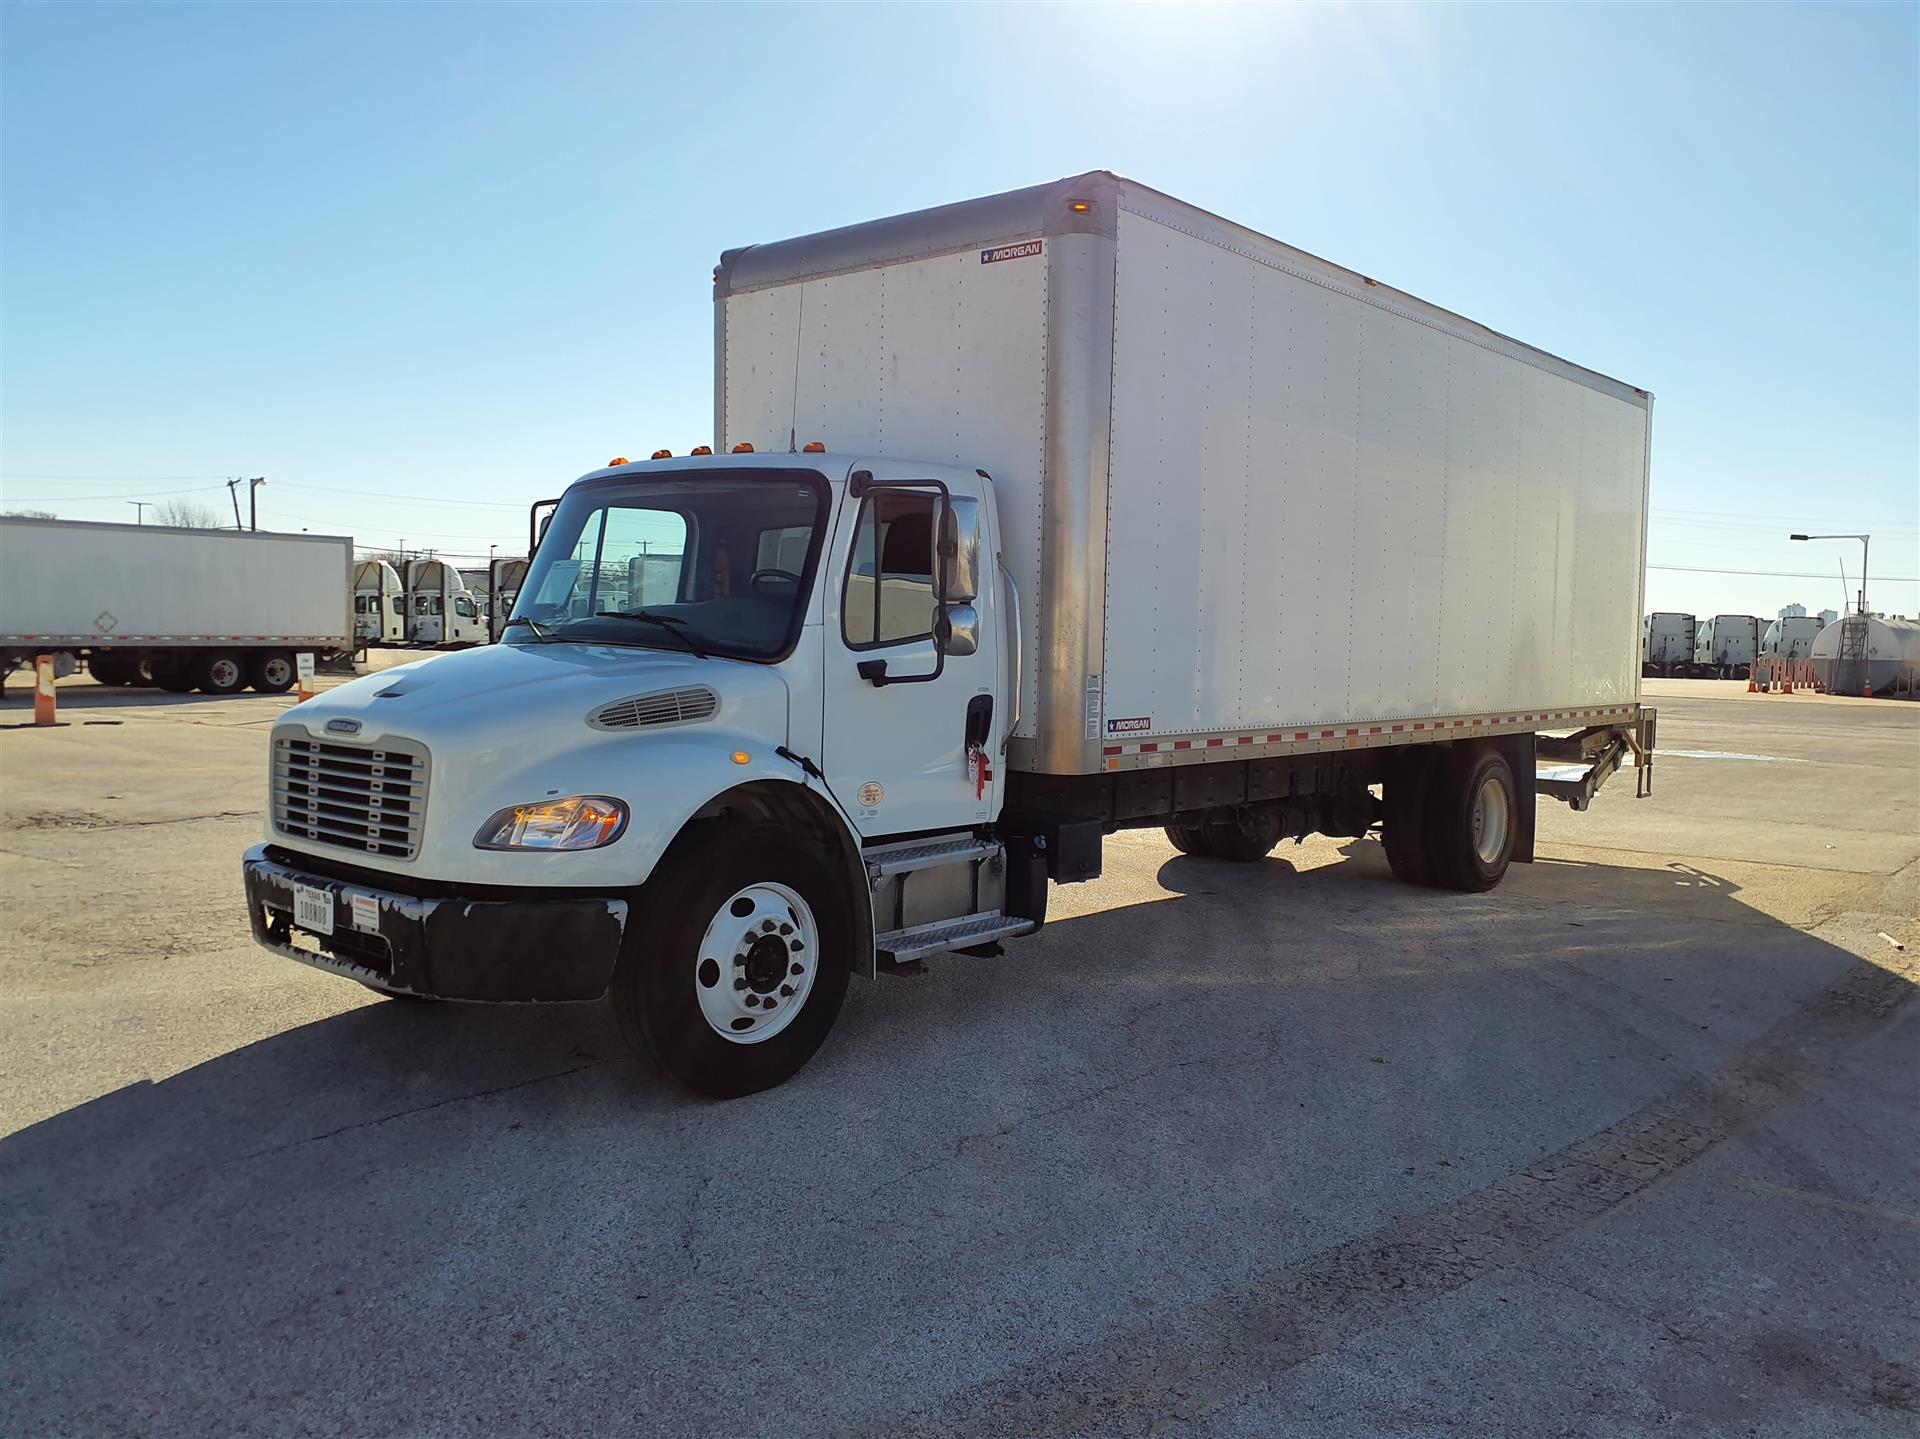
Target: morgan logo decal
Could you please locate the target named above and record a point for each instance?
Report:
(870, 795)
(1140, 724)
(1011, 252)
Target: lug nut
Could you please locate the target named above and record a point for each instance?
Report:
(766, 926)
(786, 929)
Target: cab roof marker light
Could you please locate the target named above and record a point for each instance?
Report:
(663, 454)
(616, 460)
(743, 448)
(814, 447)
(701, 450)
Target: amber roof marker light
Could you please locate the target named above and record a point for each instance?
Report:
(616, 460)
(701, 450)
(743, 448)
(663, 454)
(814, 447)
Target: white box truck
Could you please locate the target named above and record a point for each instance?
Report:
(184, 609)
(1667, 644)
(1028, 519)
(1727, 646)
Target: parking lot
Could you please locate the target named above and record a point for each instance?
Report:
(1626, 1146)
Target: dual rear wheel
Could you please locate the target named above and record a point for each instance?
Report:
(1452, 818)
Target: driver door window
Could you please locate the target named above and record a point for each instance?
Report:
(888, 598)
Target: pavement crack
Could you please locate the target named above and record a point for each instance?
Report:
(417, 1109)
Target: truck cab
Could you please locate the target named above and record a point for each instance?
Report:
(823, 651)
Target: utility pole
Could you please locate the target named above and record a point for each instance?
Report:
(234, 495)
(139, 510)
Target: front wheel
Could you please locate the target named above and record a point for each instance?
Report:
(731, 976)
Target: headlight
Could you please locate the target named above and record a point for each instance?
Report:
(581, 821)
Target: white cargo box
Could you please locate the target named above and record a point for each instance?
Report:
(75, 584)
(1245, 494)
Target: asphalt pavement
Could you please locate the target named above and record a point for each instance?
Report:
(1625, 1147)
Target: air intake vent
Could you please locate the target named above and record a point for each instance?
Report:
(667, 707)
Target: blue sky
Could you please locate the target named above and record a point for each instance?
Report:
(421, 265)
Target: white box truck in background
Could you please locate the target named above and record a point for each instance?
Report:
(1033, 518)
(212, 610)
(441, 611)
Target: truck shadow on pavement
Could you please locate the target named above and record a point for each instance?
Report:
(1140, 1107)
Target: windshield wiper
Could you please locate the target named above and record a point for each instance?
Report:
(672, 624)
(540, 631)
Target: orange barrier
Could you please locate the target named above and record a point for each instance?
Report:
(43, 689)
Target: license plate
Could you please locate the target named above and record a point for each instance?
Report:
(313, 908)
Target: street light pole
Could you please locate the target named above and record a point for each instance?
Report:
(139, 510)
(253, 502)
(1864, 539)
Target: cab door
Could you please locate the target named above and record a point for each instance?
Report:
(908, 720)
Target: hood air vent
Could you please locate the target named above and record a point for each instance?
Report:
(667, 707)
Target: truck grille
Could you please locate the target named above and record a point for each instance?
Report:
(356, 796)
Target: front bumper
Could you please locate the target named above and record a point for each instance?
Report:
(518, 949)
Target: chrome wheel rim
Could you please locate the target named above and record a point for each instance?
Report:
(276, 672)
(225, 674)
(756, 963)
(1490, 819)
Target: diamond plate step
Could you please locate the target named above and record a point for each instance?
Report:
(886, 859)
(903, 944)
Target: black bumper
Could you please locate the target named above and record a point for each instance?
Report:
(447, 948)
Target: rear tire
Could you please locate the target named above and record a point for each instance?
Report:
(1250, 835)
(1473, 820)
(218, 672)
(271, 672)
(1408, 795)
(173, 673)
(742, 913)
(1189, 839)
(111, 669)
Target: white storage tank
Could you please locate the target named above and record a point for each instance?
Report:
(1790, 637)
(1728, 645)
(1667, 641)
(1888, 661)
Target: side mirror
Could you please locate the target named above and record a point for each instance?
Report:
(957, 551)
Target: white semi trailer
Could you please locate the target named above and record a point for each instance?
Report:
(185, 609)
(1032, 518)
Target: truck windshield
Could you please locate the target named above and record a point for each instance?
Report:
(713, 562)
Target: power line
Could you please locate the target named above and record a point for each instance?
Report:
(1788, 574)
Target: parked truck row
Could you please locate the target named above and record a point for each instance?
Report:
(1026, 520)
(1677, 646)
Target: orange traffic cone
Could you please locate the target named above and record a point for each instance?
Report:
(1753, 687)
(43, 710)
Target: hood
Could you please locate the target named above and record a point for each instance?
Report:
(473, 690)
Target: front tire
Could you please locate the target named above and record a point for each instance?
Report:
(732, 974)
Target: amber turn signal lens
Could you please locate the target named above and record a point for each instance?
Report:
(743, 448)
(663, 454)
(813, 447)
